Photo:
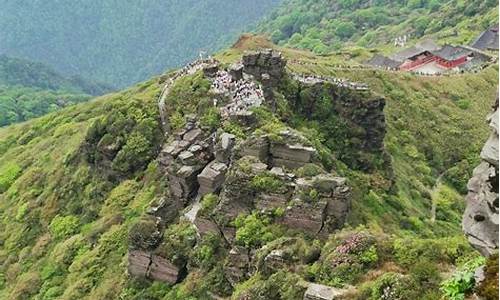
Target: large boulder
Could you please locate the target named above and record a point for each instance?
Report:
(163, 270)
(211, 178)
(322, 292)
(138, 263)
(480, 221)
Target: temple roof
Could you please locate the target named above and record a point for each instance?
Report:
(450, 52)
(488, 39)
(423, 46)
(382, 61)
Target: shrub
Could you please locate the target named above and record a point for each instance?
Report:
(346, 257)
(178, 243)
(267, 182)
(211, 118)
(425, 274)
(208, 203)
(309, 170)
(8, 174)
(393, 286)
(254, 230)
(462, 281)
(62, 227)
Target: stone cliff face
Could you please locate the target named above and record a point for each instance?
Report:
(349, 114)
(278, 175)
(480, 222)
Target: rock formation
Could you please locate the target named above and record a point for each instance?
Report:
(480, 222)
(261, 173)
(357, 114)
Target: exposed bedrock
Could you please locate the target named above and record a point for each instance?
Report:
(480, 221)
(351, 120)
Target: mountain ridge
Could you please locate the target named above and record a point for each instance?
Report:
(77, 181)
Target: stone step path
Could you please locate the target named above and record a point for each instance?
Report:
(189, 69)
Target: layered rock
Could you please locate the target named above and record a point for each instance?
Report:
(358, 118)
(268, 62)
(183, 160)
(237, 266)
(480, 222)
(143, 261)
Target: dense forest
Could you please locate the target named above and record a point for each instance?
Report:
(326, 25)
(29, 89)
(121, 42)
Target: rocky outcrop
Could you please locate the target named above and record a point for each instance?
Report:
(143, 261)
(480, 222)
(357, 118)
(268, 62)
(261, 174)
(319, 205)
(237, 266)
(183, 160)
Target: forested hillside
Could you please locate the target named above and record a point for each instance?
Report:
(29, 89)
(76, 187)
(326, 25)
(121, 42)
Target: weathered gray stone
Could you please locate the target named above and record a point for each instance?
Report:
(211, 178)
(187, 158)
(322, 292)
(205, 226)
(163, 270)
(237, 265)
(489, 152)
(265, 62)
(480, 221)
(224, 147)
(270, 202)
(236, 71)
(210, 70)
(305, 216)
(192, 135)
(138, 263)
(257, 147)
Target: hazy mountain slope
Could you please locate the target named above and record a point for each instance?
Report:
(121, 42)
(29, 89)
(326, 25)
(73, 183)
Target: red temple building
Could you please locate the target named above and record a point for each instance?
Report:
(429, 58)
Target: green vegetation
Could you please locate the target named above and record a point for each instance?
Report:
(323, 27)
(462, 281)
(74, 183)
(255, 230)
(29, 90)
(64, 220)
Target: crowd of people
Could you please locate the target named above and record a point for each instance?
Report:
(343, 83)
(243, 94)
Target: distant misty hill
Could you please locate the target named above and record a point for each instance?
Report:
(122, 41)
(31, 89)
